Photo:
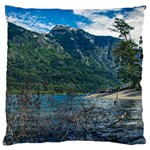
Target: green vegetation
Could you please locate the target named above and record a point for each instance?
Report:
(127, 55)
(53, 64)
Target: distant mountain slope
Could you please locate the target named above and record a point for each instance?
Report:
(90, 49)
(65, 60)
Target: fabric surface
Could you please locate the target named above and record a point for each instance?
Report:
(74, 75)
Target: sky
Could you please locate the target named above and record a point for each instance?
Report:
(94, 21)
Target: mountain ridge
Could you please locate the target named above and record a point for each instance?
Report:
(57, 63)
(67, 35)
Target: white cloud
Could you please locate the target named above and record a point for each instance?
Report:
(135, 19)
(29, 22)
(18, 22)
(100, 23)
(88, 12)
(85, 12)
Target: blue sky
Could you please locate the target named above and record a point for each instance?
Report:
(93, 21)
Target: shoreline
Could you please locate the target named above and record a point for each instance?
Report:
(130, 94)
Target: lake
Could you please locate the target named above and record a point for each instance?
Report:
(55, 118)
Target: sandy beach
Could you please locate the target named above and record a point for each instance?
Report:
(130, 94)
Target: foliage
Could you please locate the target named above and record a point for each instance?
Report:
(127, 55)
(50, 64)
(121, 27)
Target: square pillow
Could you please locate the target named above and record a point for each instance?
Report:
(74, 75)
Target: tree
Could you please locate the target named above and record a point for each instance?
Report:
(121, 27)
(127, 54)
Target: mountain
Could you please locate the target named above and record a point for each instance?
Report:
(90, 49)
(62, 61)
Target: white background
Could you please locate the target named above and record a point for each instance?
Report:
(74, 4)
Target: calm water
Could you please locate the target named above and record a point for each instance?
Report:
(68, 117)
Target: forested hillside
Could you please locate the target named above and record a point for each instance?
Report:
(66, 60)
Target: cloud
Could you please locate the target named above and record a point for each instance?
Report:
(99, 25)
(85, 12)
(94, 21)
(30, 22)
(135, 19)
(100, 20)
(88, 12)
